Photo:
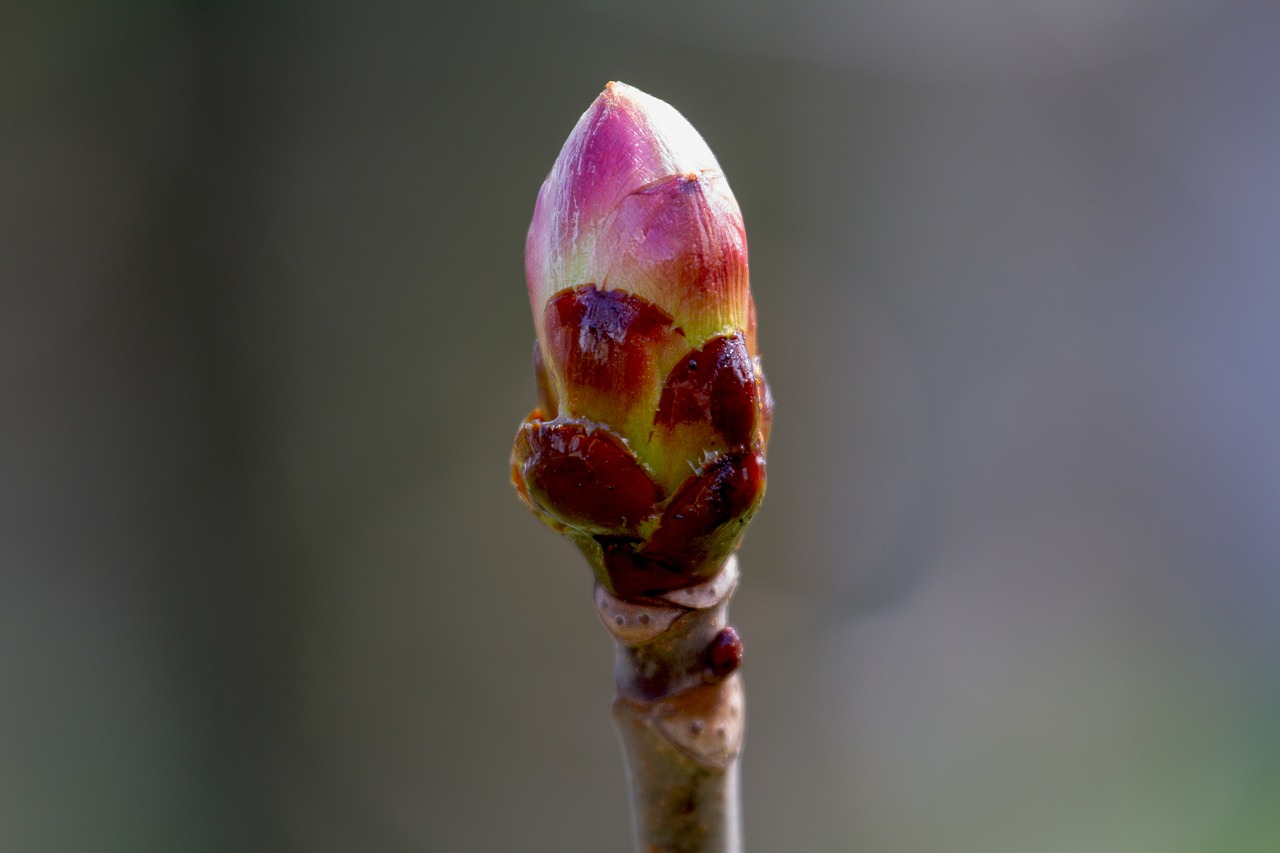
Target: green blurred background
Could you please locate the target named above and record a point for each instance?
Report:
(264, 343)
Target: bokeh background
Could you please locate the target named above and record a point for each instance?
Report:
(264, 343)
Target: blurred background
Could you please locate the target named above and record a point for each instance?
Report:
(264, 343)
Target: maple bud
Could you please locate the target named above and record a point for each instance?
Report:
(648, 445)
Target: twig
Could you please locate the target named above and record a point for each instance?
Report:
(679, 710)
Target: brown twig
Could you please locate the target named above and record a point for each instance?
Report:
(679, 710)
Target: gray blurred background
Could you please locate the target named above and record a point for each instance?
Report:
(264, 343)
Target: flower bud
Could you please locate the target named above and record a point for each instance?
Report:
(648, 447)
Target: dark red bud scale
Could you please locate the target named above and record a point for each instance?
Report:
(713, 384)
(698, 516)
(585, 476)
(629, 573)
(604, 339)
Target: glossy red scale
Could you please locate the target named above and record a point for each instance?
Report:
(713, 384)
(584, 477)
(697, 520)
(630, 573)
(723, 494)
(604, 339)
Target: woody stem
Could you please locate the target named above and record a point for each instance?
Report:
(679, 710)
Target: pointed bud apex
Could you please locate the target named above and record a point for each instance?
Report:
(649, 449)
(637, 202)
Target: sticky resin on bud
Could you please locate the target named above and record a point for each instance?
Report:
(648, 446)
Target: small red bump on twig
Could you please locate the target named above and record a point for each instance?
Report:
(724, 655)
